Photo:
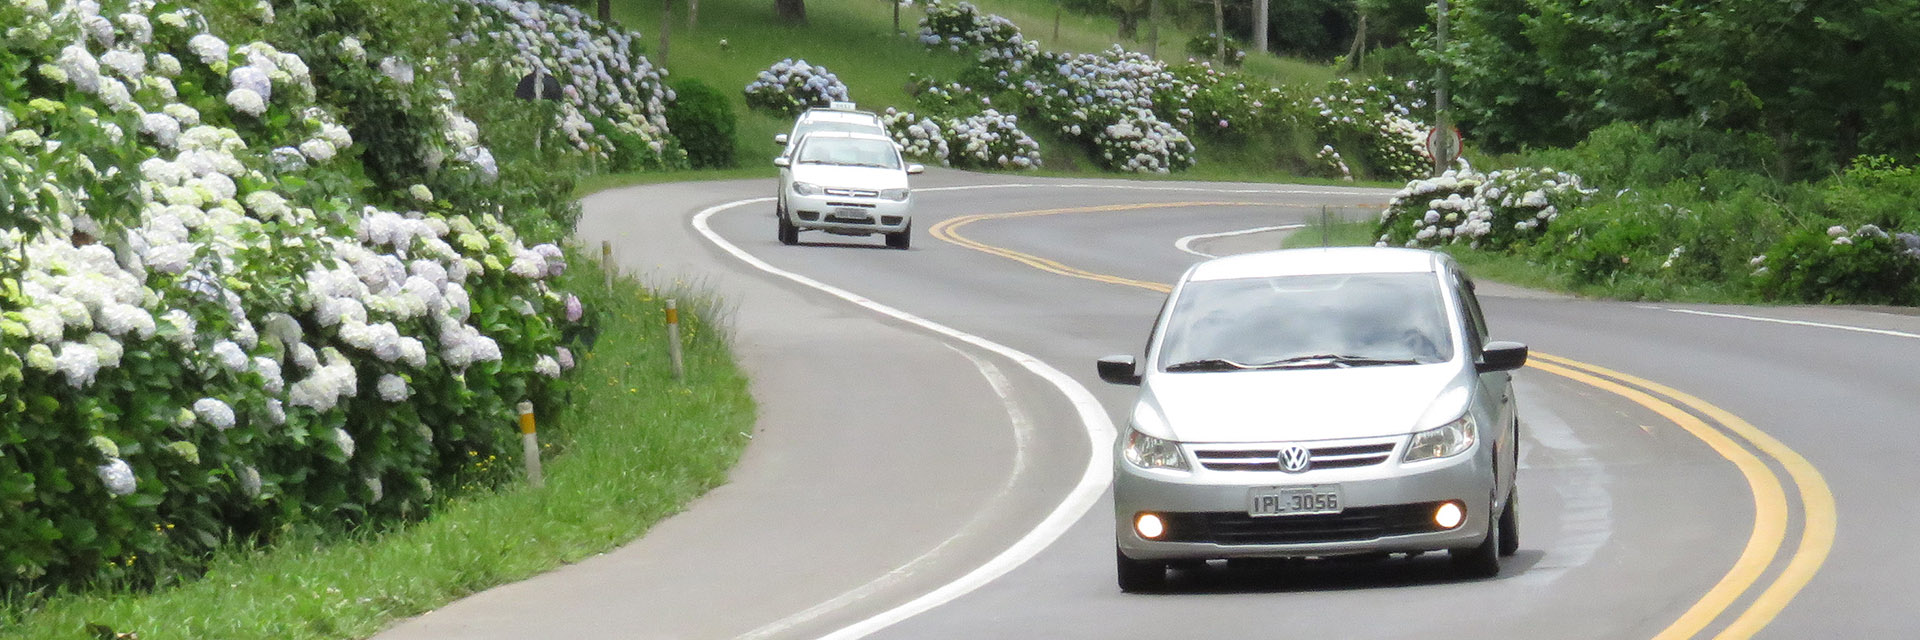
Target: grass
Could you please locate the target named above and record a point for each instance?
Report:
(634, 447)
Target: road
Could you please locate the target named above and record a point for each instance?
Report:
(931, 457)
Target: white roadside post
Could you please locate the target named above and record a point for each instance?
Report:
(530, 446)
(673, 340)
(606, 262)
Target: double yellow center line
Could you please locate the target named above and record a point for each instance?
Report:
(1733, 438)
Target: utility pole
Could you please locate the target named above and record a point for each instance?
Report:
(666, 26)
(1260, 25)
(1440, 90)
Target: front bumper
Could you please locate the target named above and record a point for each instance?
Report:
(849, 214)
(1387, 507)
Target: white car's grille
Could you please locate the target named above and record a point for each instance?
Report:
(1268, 458)
(854, 193)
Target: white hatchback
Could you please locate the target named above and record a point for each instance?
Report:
(1316, 403)
(851, 184)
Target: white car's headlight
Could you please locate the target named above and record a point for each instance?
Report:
(1148, 452)
(805, 189)
(895, 195)
(1449, 439)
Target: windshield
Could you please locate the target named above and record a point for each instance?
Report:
(852, 152)
(800, 130)
(1307, 321)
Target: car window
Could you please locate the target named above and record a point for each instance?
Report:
(1390, 318)
(853, 152)
(1476, 320)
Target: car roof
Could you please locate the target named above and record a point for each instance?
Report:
(836, 115)
(1317, 261)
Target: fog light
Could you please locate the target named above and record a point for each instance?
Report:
(1449, 515)
(1149, 526)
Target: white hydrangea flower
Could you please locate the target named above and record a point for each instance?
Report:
(393, 388)
(117, 477)
(210, 48)
(317, 150)
(420, 192)
(214, 412)
(247, 101)
(79, 362)
(249, 478)
(343, 440)
(547, 366)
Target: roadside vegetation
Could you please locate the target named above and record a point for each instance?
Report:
(626, 446)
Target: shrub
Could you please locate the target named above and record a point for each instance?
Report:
(702, 117)
(790, 86)
(1488, 211)
(1203, 46)
(919, 137)
(992, 140)
(223, 318)
(1375, 121)
(1863, 265)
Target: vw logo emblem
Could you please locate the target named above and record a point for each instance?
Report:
(1295, 459)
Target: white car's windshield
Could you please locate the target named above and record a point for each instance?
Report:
(1307, 321)
(852, 152)
(816, 126)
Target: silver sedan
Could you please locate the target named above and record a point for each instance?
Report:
(1316, 403)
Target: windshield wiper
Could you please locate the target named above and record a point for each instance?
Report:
(1329, 359)
(1209, 364)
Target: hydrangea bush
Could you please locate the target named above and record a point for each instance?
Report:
(1378, 123)
(992, 140)
(1483, 210)
(920, 138)
(217, 321)
(790, 86)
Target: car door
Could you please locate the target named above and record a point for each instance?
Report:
(1496, 388)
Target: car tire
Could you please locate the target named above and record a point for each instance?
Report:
(901, 239)
(1139, 575)
(1510, 523)
(789, 234)
(1483, 560)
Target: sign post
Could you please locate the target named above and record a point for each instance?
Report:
(1443, 144)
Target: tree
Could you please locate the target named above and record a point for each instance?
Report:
(791, 11)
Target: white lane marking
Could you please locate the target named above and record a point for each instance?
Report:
(1186, 243)
(1093, 480)
(1022, 441)
(1803, 323)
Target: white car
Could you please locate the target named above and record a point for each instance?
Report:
(841, 116)
(1315, 403)
(850, 184)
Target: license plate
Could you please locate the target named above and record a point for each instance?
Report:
(1293, 501)
(850, 213)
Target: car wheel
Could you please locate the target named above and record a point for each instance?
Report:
(901, 239)
(789, 234)
(1510, 523)
(1483, 560)
(1139, 575)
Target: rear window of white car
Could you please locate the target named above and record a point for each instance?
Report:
(1357, 319)
(850, 152)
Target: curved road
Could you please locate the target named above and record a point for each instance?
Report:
(922, 469)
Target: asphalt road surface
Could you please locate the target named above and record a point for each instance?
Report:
(932, 452)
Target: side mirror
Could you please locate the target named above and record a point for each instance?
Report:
(916, 169)
(782, 162)
(780, 139)
(1501, 356)
(1118, 370)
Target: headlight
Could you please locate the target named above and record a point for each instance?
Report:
(1148, 452)
(805, 189)
(1449, 439)
(895, 195)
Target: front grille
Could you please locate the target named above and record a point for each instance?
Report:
(1331, 457)
(860, 205)
(1357, 524)
(858, 193)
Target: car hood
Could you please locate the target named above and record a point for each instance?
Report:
(1293, 404)
(826, 175)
